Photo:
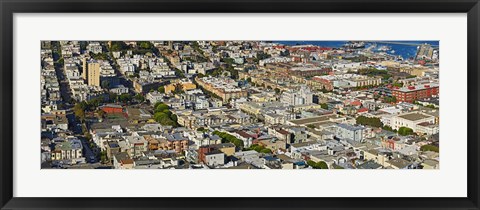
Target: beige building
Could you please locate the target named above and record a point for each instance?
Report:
(84, 68)
(227, 148)
(224, 88)
(93, 74)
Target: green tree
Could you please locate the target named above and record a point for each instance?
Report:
(311, 163)
(388, 128)
(161, 89)
(101, 113)
(229, 138)
(168, 112)
(324, 105)
(118, 46)
(79, 111)
(87, 135)
(429, 148)
(174, 118)
(404, 131)
(125, 97)
(145, 45)
(319, 165)
(277, 91)
(162, 118)
(388, 99)
(103, 156)
(139, 97)
(160, 107)
(370, 121)
(266, 151)
(112, 97)
(322, 165)
(395, 84)
(261, 55)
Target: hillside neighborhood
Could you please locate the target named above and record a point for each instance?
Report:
(239, 105)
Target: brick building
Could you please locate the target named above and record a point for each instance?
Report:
(112, 108)
(412, 93)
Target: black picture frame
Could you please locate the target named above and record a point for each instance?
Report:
(10, 7)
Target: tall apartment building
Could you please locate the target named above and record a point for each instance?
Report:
(84, 68)
(93, 74)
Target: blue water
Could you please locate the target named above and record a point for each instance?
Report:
(406, 51)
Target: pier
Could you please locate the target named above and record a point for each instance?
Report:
(400, 43)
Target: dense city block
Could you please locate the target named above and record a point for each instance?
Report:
(239, 105)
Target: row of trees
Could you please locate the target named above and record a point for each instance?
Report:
(375, 122)
(375, 72)
(126, 98)
(388, 128)
(99, 56)
(81, 107)
(205, 91)
(317, 165)
(142, 47)
(429, 148)
(397, 84)
(260, 148)
(164, 116)
(431, 106)
(388, 99)
(370, 121)
(116, 46)
(229, 138)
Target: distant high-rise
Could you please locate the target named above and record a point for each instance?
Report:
(93, 71)
(84, 68)
(424, 51)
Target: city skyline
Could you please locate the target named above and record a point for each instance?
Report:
(240, 104)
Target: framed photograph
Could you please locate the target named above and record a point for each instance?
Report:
(239, 105)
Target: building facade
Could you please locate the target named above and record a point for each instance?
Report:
(412, 93)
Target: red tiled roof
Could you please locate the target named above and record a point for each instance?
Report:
(356, 103)
(363, 109)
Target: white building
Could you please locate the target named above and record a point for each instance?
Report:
(345, 131)
(411, 120)
(301, 97)
(214, 159)
(155, 97)
(68, 150)
(94, 47)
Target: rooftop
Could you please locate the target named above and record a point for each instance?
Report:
(350, 127)
(414, 116)
(314, 119)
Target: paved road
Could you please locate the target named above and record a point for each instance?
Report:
(62, 80)
(87, 151)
